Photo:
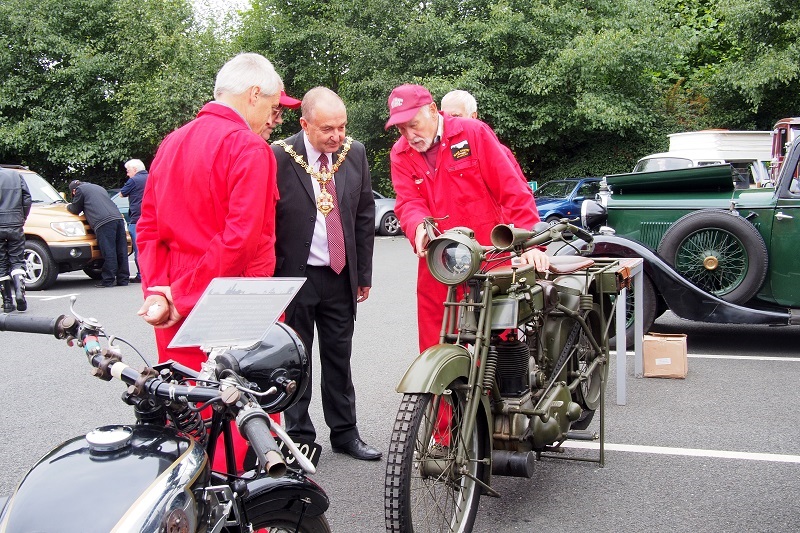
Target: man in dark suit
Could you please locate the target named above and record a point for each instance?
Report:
(325, 230)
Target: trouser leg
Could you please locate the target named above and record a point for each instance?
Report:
(123, 269)
(132, 231)
(106, 240)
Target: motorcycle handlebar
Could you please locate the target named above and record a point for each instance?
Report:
(581, 233)
(254, 426)
(59, 327)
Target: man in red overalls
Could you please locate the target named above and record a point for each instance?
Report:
(456, 171)
(209, 204)
(444, 166)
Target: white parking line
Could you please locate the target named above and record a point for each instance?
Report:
(689, 452)
(739, 357)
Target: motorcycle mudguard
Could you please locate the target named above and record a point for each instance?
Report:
(75, 489)
(292, 492)
(435, 368)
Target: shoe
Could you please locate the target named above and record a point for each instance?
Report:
(101, 285)
(358, 449)
(137, 279)
(122, 284)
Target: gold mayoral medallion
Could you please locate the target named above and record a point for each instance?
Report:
(325, 200)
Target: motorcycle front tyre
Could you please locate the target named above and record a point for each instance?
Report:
(425, 489)
(286, 522)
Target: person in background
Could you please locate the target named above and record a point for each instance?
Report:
(134, 190)
(15, 204)
(326, 231)
(456, 171)
(287, 102)
(108, 224)
(461, 104)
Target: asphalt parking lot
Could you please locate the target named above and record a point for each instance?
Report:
(714, 452)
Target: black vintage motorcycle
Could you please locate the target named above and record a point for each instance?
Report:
(155, 475)
(520, 367)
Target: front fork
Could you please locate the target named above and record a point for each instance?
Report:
(479, 338)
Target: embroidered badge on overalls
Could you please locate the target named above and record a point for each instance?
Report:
(460, 150)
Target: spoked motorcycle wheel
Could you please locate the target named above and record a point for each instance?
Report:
(286, 522)
(587, 395)
(426, 488)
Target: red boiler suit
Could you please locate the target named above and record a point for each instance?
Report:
(208, 211)
(475, 184)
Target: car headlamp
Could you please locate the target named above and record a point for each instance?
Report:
(593, 214)
(454, 257)
(71, 228)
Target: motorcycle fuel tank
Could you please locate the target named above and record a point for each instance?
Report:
(127, 479)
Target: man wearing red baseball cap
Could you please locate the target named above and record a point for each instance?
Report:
(456, 171)
(285, 101)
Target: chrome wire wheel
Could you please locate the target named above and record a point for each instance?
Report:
(720, 252)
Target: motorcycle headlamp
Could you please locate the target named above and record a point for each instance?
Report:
(454, 257)
(279, 362)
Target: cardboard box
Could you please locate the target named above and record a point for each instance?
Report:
(665, 355)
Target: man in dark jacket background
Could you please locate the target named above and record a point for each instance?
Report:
(15, 204)
(134, 190)
(109, 227)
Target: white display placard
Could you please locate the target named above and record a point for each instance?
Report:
(236, 312)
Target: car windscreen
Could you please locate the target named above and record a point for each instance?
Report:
(41, 191)
(554, 189)
(662, 163)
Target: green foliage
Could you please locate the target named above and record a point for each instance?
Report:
(574, 87)
(89, 84)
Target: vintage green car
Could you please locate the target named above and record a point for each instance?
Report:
(712, 252)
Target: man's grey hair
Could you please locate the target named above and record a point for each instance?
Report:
(244, 71)
(135, 165)
(460, 98)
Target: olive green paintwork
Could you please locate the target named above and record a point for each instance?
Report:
(644, 212)
(436, 368)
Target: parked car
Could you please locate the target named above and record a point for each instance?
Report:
(121, 202)
(56, 241)
(563, 198)
(712, 252)
(386, 222)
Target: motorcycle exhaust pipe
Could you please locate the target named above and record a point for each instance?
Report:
(276, 466)
(513, 464)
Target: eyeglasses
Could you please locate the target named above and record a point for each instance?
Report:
(278, 113)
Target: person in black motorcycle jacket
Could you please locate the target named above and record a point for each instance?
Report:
(15, 204)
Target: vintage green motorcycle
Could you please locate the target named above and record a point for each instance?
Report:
(520, 367)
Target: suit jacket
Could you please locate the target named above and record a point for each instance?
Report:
(297, 210)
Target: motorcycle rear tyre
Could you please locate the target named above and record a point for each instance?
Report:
(281, 522)
(410, 493)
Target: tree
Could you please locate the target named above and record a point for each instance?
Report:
(89, 84)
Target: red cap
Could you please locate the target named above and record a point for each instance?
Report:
(288, 101)
(405, 101)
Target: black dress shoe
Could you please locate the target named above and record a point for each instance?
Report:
(102, 285)
(137, 279)
(358, 449)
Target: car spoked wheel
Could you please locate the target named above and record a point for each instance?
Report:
(718, 251)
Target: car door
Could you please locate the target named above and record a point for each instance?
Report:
(784, 268)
